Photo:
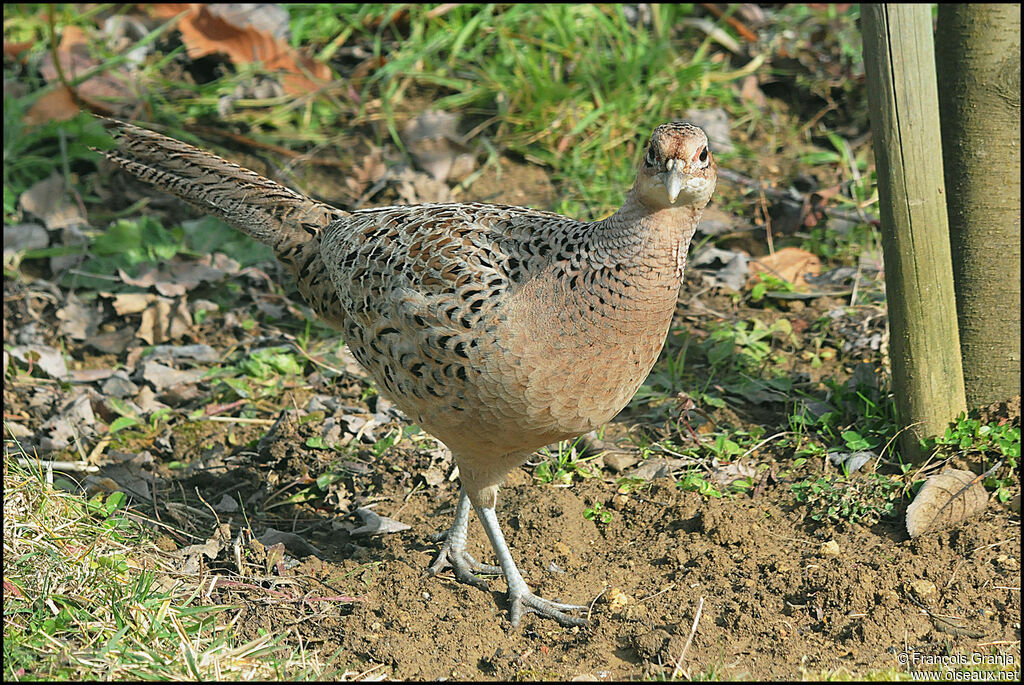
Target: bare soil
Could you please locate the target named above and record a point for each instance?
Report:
(777, 600)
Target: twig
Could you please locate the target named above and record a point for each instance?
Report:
(61, 465)
(238, 419)
(732, 21)
(693, 629)
(765, 442)
(659, 592)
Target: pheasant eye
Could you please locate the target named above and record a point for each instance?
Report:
(650, 159)
(703, 154)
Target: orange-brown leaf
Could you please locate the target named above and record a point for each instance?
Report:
(205, 33)
(790, 264)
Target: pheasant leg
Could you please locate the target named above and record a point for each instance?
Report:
(453, 552)
(519, 595)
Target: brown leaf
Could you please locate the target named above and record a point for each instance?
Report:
(295, 544)
(14, 50)
(365, 172)
(130, 303)
(49, 201)
(113, 342)
(57, 105)
(945, 500)
(790, 264)
(78, 320)
(164, 320)
(75, 58)
(205, 33)
(181, 275)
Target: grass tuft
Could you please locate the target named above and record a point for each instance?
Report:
(87, 594)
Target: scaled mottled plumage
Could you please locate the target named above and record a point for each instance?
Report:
(497, 329)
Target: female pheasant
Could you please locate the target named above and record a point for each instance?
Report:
(497, 329)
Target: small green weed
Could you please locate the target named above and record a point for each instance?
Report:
(560, 468)
(262, 373)
(852, 417)
(769, 283)
(985, 442)
(859, 499)
(597, 513)
(697, 481)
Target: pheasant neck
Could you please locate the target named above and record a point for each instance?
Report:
(651, 242)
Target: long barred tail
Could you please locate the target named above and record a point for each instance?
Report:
(290, 223)
(255, 205)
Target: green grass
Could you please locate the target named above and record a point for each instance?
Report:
(563, 464)
(88, 595)
(863, 498)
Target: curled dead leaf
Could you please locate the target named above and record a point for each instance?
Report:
(208, 29)
(945, 500)
(790, 264)
(50, 201)
(375, 524)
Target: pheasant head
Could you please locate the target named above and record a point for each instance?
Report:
(678, 168)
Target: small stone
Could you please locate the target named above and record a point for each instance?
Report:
(619, 461)
(829, 549)
(618, 599)
(924, 590)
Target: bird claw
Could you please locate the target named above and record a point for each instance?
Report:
(529, 602)
(463, 564)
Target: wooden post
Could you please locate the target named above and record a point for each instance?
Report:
(924, 347)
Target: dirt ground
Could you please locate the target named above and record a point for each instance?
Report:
(777, 599)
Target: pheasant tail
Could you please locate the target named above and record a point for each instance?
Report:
(288, 222)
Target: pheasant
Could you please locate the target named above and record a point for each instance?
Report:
(497, 329)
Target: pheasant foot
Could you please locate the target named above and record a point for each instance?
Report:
(521, 599)
(453, 552)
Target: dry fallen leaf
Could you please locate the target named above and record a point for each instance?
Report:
(295, 544)
(130, 303)
(208, 29)
(366, 172)
(946, 499)
(179, 276)
(164, 320)
(790, 264)
(375, 524)
(56, 105)
(416, 187)
(23, 237)
(75, 57)
(49, 360)
(78, 320)
(48, 200)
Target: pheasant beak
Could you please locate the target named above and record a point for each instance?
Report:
(674, 177)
